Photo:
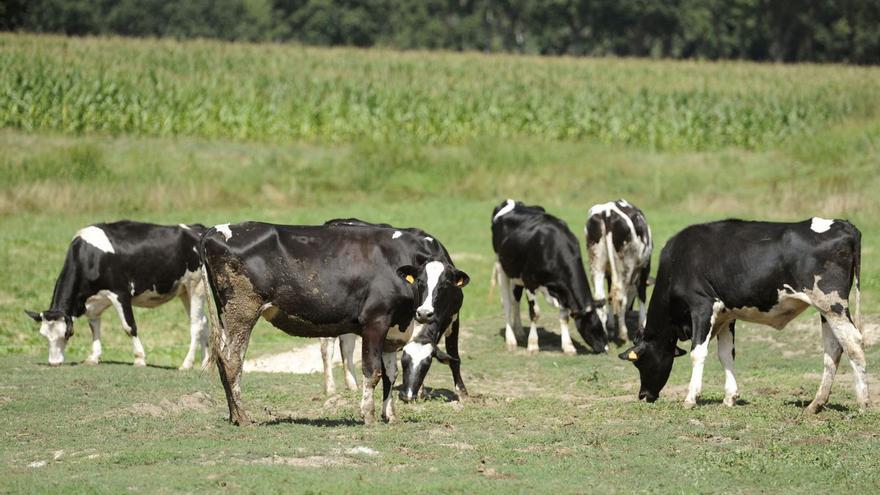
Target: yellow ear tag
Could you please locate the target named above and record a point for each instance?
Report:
(632, 356)
(460, 283)
(410, 279)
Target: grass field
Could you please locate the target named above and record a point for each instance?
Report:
(97, 129)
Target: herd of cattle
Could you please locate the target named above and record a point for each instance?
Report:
(400, 290)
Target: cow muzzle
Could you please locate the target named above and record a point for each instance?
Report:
(424, 315)
(647, 396)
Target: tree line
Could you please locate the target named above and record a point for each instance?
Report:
(766, 30)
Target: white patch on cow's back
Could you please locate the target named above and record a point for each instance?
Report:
(184, 226)
(434, 269)
(623, 202)
(224, 229)
(96, 237)
(429, 239)
(396, 234)
(820, 225)
(507, 208)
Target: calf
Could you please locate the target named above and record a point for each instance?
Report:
(125, 264)
(418, 247)
(536, 251)
(320, 281)
(619, 247)
(713, 274)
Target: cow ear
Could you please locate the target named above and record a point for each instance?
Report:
(679, 351)
(631, 354)
(408, 273)
(37, 317)
(461, 278)
(443, 357)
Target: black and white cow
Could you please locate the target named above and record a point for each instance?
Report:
(421, 248)
(125, 264)
(537, 251)
(715, 273)
(320, 281)
(619, 247)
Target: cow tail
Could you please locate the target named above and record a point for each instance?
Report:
(493, 281)
(857, 276)
(213, 302)
(614, 295)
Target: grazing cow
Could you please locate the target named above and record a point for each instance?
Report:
(536, 251)
(619, 247)
(319, 281)
(715, 273)
(421, 248)
(125, 264)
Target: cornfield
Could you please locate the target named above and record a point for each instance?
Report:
(278, 93)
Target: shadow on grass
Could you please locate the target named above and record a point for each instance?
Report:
(319, 422)
(715, 400)
(440, 394)
(547, 341)
(103, 363)
(803, 403)
(551, 341)
(124, 363)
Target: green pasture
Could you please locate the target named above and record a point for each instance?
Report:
(102, 129)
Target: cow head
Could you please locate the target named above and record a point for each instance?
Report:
(438, 285)
(653, 358)
(591, 329)
(57, 327)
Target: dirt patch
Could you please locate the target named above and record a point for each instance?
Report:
(303, 360)
(196, 401)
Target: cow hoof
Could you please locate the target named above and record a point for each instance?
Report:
(389, 419)
(511, 347)
(690, 404)
(369, 419)
(462, 394)
(90, 362)
(813, 408)
(140, 362)
(532, 350)
(185, 367)
(730, 401)
(569, 351)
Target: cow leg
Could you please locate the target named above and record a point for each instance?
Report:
(122, 304)
(507, 300)
(850, 339)
(94, 309)
(643, 297)
(534, 314)
(701, 323)
(621, 317)
(328, 345)
(517, 298)
(346, 347)
(372, 341)
(833, 351)
(455, 365)
(193, 299)
(727, 354)
(597, 267)
(235, 333)
(389, 375)
(567, 344)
